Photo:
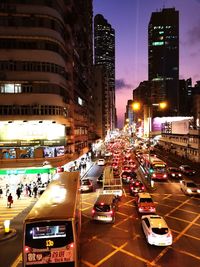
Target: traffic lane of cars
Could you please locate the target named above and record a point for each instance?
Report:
(127, 232)
(194, 173)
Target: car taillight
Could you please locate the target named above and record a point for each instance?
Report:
(142, 187)
(136, 183)
(111, 212)
(131, 187)
(27, 249)
(93, 211)
(71, 245)
(154, 175)
(165, 175)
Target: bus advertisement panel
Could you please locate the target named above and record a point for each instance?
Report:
(52, 227)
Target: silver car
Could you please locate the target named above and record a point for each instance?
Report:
(189, 187)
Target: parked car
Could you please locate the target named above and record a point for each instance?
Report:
(145, 203)
(136, 187)
(101, 162)
(174, 172)
(187, 170)
(156, 230)
(189, 187)
(86, 185)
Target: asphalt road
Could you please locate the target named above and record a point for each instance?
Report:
(123, 243)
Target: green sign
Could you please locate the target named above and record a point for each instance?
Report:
(27, 171)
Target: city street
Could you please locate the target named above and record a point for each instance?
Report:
(123, 243)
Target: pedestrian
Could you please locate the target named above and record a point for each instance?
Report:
(26, 190)
(35, 189)
(18, 192)
(7, 189)
(1, 192)
(29, 190)
(9, 200)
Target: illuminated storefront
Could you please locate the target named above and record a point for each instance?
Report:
(21, 139)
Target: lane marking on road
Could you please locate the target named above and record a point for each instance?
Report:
(175, 240)
(17, 261)
(189, 211)
(122, 250)
(187, 253)
(111, 254)
(179, 219)
(88, 263)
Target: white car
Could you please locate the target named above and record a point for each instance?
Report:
(156, 230)
(108, 153)
(101, 162)
(189, 187)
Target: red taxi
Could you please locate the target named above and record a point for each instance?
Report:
(145, 203)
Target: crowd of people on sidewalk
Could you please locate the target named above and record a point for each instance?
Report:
(27, 190)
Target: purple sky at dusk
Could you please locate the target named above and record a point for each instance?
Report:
(130, 19)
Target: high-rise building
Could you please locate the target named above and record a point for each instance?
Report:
(104, 54)
(163, 56)
(45, 81)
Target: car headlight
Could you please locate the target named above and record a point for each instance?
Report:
(173, 174)
(189, 191)
(198, 191)
(180, 174)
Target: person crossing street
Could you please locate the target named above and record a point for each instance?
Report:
(9, 200)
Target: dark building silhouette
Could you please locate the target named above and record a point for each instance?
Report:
(104, 54)
(163, 55)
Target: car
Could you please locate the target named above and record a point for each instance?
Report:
(115, 165)
(101, 162)
(156, 230)
(127, 168)
(108, 154)
(145, 203)
(187, 170)
(105, 208)
(189, 187)
(86, 185)
(127, 176)
(174, 172)
(136, 186)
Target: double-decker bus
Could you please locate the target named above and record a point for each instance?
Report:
(154, 167)
(52, 228)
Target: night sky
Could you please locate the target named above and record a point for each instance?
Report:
(130, 19)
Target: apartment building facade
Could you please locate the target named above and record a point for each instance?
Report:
(45, 81)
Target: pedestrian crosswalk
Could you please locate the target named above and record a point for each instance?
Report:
(18, 206)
